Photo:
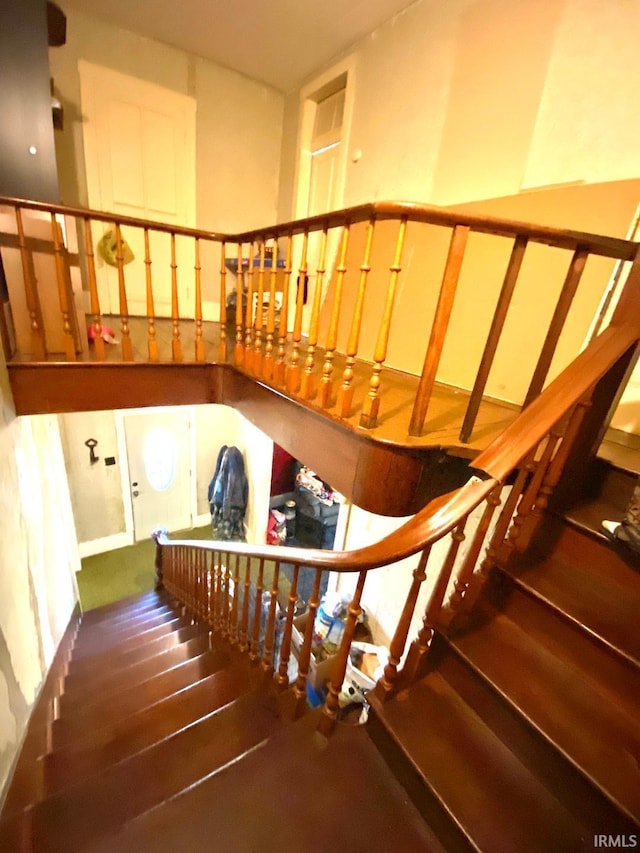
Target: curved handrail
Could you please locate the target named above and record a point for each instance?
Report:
(433, 522)
(493, 466)
(597, 244)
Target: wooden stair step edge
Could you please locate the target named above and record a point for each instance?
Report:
(73, 817)
(111, 683)
(94, 639)
(602, 599)
(85, 679)
(118, 647)
(126, 702)
(588, 805)
(287, 795)
(582, 699)
(98, 748)
(126, 606)
(493, 799)
(124, 621)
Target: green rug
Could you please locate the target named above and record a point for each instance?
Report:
(126, 571)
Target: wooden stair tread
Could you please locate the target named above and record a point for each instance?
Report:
(126, 702)
(593, 727)
(74, 816)
(94, 640)
(96, 748)
(115, 625)
(109, 682)
(602, 595)
(125, 607)
(496, 801)
(118, 646)
(84, 679)
(284, 796)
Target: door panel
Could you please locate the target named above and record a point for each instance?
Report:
(159, 470)
(140, 154)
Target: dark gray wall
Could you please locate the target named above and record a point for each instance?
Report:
(25, 103)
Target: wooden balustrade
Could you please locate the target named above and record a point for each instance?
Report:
(278, 340)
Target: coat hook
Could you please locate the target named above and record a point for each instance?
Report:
(91, 443)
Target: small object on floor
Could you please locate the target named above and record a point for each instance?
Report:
(623, 532)
(107, 334)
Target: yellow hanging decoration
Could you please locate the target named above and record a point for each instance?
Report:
(108, 249)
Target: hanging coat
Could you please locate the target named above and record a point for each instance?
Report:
(228, 494)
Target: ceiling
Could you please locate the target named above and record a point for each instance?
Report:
(279, 42)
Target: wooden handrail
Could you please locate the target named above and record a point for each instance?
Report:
(596, 244)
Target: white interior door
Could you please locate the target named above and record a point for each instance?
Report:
(139, 142)
(158, 455)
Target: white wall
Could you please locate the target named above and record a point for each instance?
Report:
(216, 426)
(474, 99)
(38, 561)
(238, 121)
(101, 500)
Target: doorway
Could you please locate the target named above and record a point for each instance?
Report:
(159, 462)
(139, 142)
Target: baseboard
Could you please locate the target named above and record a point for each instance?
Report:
(107, 543)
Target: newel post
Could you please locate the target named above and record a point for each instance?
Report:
(158, 534)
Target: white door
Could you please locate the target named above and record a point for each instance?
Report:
(159, 470)
(139, 142)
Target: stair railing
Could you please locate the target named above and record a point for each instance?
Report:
(312, 307)
(517, 472)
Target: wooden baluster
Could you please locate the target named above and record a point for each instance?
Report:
(198, 311)
(269, 637)
(385, 686)
(63, 294)
(554, 472)
(127, 350)
(282, 677)
(304, 657)
(244, 625)
(563, 305)
(239, 348)
(210, 587)
(461, 583)
(158, 579)
(439, 328)
(267, 364)
(248, 332)
(531, 492)
(226, 600)
(331, 706)
(259, 319)
(308, 384)
(326, 386)
(283, 330)
(254, 651)
(222, 349)
(345, 392)
(217, 591)
(98, 343)
(371, 403)
(37, 340)
(293, 369)
(235, 628)
(419, 647)
(176, 344)
(497, 325)
(151, 311)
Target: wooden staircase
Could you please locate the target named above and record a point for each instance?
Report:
(522, 732)
(155, 717)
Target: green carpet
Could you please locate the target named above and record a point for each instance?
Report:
(126, 571)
